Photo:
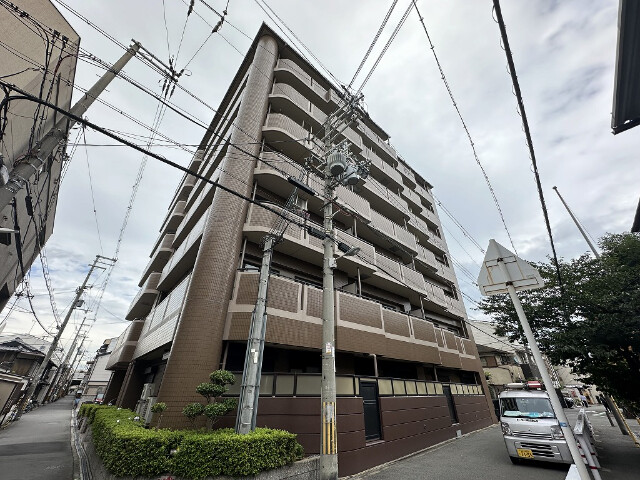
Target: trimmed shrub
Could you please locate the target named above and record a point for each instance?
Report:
(128, 449)
(223, 452)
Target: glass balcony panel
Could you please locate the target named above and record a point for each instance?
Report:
(266, 385)
(384, 387)
(399, 387)
(344, 386)
(284, 384)
(308, 384)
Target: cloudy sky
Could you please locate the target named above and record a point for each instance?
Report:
(564, 54)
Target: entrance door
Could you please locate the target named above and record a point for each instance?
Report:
(369, 392)
(452, 406)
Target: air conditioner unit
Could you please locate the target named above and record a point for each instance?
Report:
(148, 414)
(147, 390)
(141, 407)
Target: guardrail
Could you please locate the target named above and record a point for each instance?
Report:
(583, 431)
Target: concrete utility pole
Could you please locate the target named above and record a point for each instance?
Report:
(65, 367)
(250, 391)
(622, 424)
(37, 378)
(337, 170)
(328, 434)
(39, 154)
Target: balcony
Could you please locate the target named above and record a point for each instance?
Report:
(159, 257)
(413, 199)
(393, 231)
(281, 128)
(363, 324)
(125, 346)
(146, 297)
(427, 258)
(196, 161)
(186, 187)
(183, 258)
(382, 199)
(161, 323)
(407, 173)
(288, 71)
(175, 217)
(273, 171)
(198, 210)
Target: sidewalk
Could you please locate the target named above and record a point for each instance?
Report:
(38, 446)
(619, 458)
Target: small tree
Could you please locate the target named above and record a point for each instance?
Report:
(159, 407)
(212, 391)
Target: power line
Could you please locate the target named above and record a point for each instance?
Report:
(527, 132)
(374, 41)
(464, 125)
(386, 47)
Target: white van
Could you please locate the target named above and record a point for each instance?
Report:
(529, 426)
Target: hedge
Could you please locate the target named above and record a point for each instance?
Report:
(128, 449)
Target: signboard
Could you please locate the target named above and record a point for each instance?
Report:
(493, 278)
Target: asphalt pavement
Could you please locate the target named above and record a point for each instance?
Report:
(482, 455)
(38, 446)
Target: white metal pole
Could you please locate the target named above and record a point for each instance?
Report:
(624, 428)
(546, 378)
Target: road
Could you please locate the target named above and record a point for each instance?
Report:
(482, 456)
(38, 446)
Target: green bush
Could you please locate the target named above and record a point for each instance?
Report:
(128, 449)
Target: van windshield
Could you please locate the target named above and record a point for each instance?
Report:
(526, 407)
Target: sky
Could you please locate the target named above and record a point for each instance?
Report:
(564, 54)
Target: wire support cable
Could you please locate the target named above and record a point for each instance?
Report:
(466, 129)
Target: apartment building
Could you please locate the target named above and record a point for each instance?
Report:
(36, 39)
(408, 371)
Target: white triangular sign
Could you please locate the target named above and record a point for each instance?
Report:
(492, 279)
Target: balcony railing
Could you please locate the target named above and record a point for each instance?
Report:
(145, 298)
(181, 260)
(308, 385)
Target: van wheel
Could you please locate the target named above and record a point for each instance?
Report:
(515, 460)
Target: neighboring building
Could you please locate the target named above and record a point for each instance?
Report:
(402, 341)
(95, 380)
(625, 113)
(20, 357)
(27, 123)
(573, 386)
(503, 361)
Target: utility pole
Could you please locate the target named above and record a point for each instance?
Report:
(250, 390)
(336, 170)
(252, 371)
(37, 378)
(35, 158)
(64, 368)
(622, 424)
(329, 434)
